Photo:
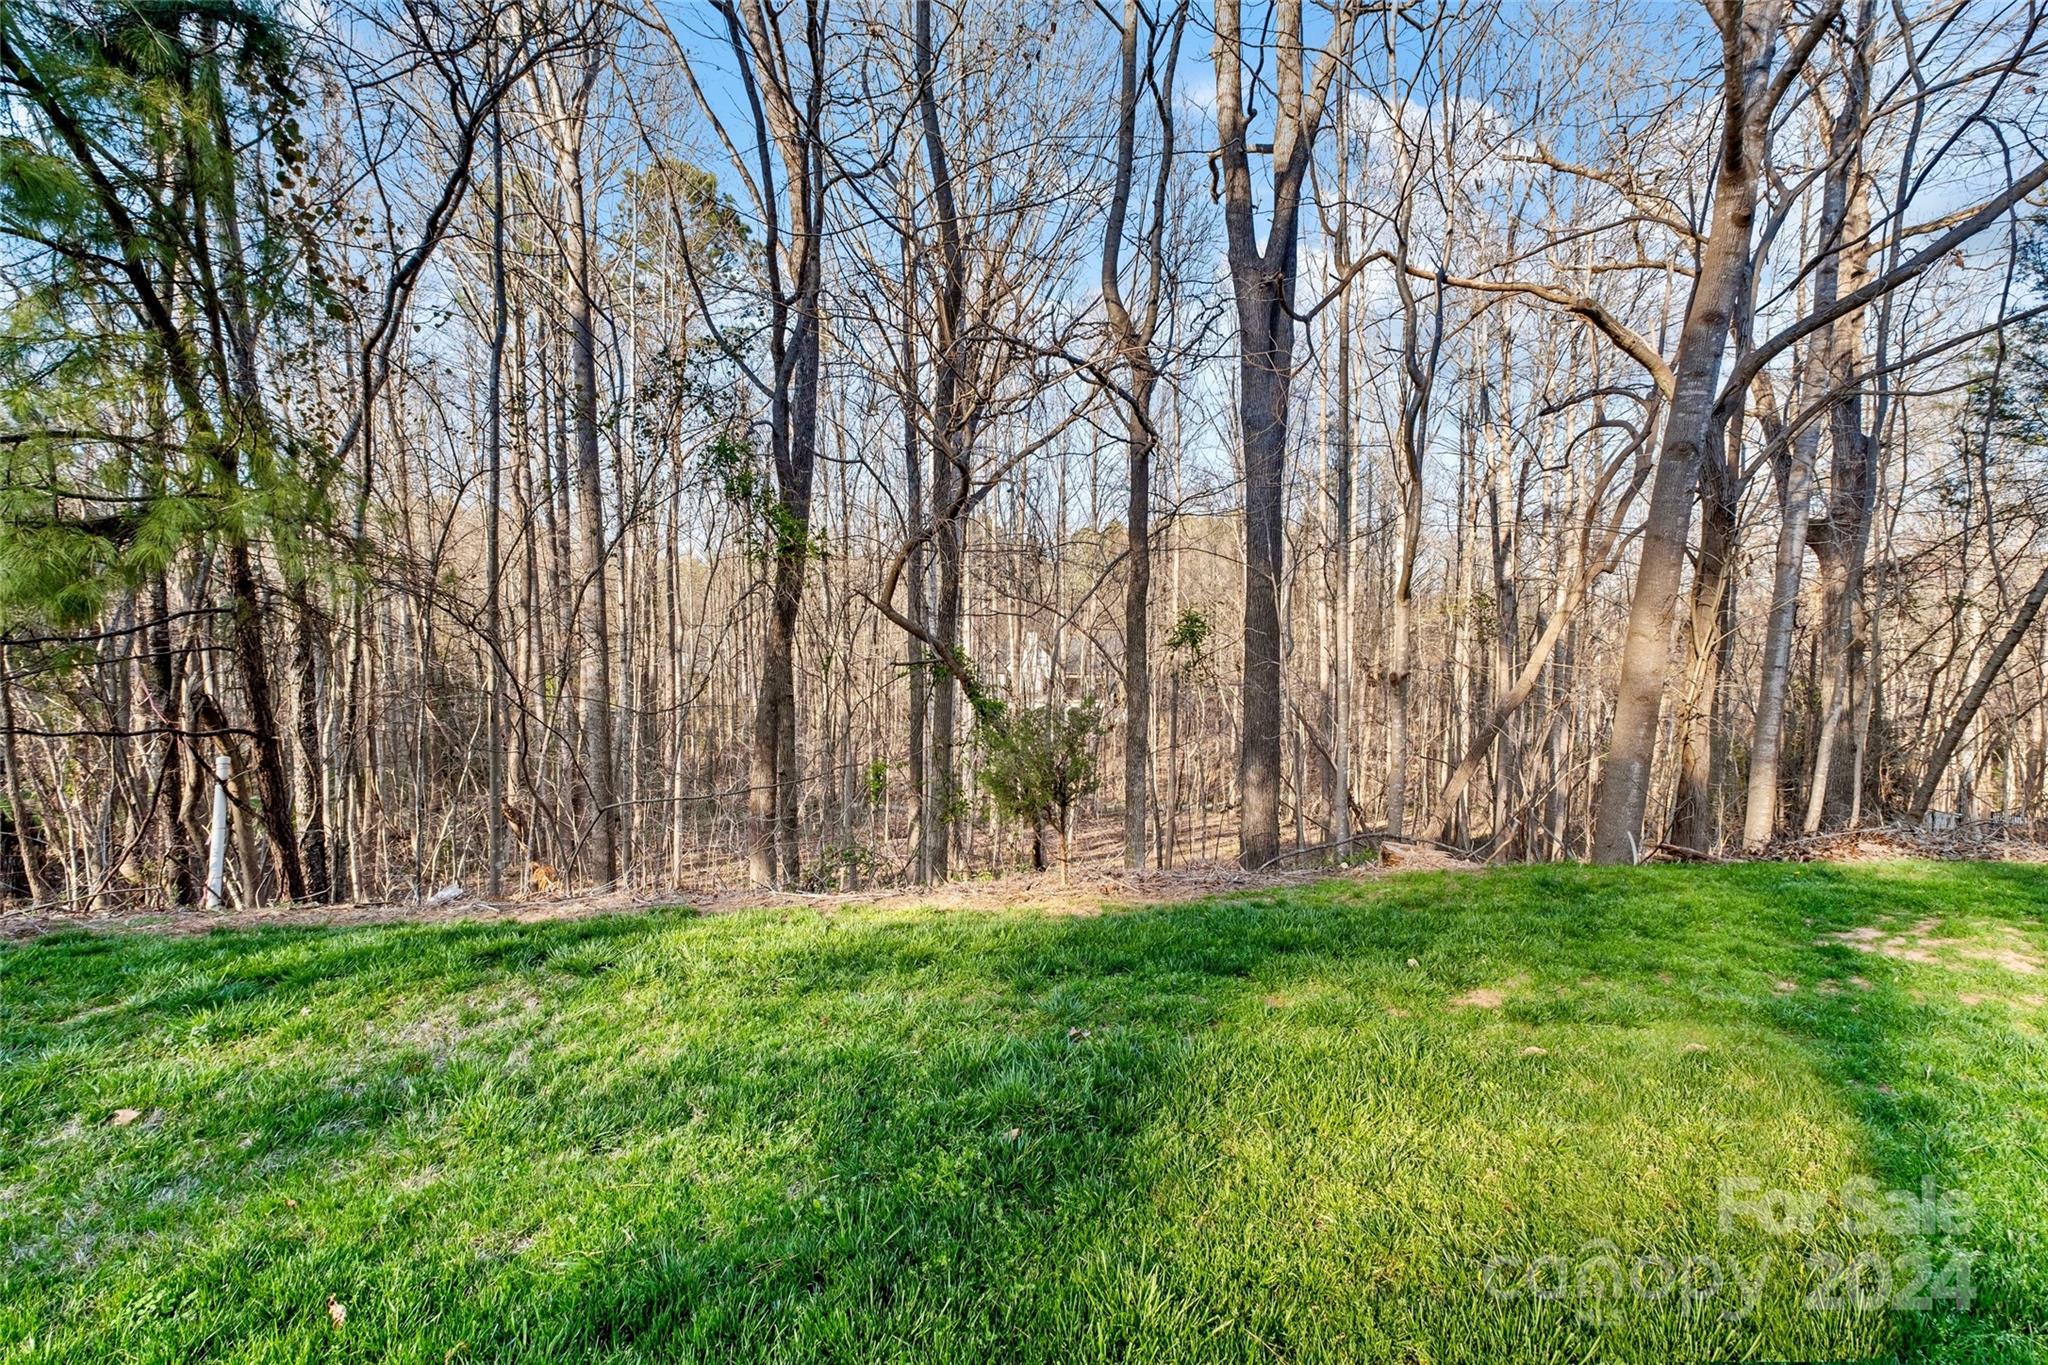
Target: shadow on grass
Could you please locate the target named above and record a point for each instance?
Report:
(1232, 1130)
(1949, 1088)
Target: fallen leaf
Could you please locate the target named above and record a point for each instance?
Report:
(336, 1313)
(123, 1117)
(1533, 1051)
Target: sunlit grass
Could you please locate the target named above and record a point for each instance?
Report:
(1345, 1123)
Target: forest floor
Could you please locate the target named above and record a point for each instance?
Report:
(1086, 888)
(1096, 880)
(1762, 1110)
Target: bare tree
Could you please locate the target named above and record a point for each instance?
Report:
(564, 88)
(1133, 339)
(1263, 278)
(786, 181)
(1753, 85)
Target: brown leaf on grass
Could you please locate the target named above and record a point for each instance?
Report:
(337, 1312)
(123, 1117)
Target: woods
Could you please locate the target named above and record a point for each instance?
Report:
(573, 445)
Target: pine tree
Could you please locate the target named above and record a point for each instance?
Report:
(156, 193)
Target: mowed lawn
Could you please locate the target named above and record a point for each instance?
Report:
(1538, 1114)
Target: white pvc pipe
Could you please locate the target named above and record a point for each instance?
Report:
(217, 849)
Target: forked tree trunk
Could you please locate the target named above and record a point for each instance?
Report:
(1695, 372)
(1262, 282)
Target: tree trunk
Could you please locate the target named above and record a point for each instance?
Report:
(1266, 334)
(1795, 498)
(29, 857)
(594, 676)
(1137, 642)
(312, 769)
(947, 492)
(1842, 541)
(494, 642)
(1695, 375)
(272, 782)
(1262, 282)
(1798, 454)
(950, 455)
(1340, 540)
(794, 340)
(920, 675)
(1134, 339)
(166, 711)
(1710, 627)
(1959, 724)
(1504, 706)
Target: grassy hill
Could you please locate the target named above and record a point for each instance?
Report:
(1760, 1111)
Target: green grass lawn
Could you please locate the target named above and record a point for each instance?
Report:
(1534, 1114)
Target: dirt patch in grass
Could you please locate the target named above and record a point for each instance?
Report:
(1488, 997)
(442, 1031)
(1924, 944)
